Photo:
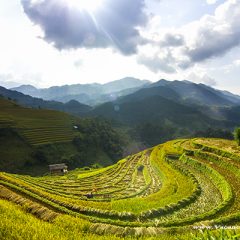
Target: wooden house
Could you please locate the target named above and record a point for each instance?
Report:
(58, 169)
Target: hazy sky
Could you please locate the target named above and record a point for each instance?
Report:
(56, 42)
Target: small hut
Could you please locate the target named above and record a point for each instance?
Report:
(58, 169)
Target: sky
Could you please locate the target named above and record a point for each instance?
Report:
(56, 42)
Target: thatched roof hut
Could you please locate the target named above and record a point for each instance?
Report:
(58, 169)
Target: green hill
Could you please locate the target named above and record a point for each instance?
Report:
(192, 93)
(30, 139)
(170, 191)
(37, 126)
(72, 107)
(154, 119)
(183, 103)
(167, 110)
(152, 109)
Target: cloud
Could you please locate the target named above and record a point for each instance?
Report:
(202, 78)
(210, 2)
(115, 24)
(209, 37)
(154, 60)
(78, 63)
(8, 81)
(157, 63)
(215, 35)
(237, 63)
(172, 40)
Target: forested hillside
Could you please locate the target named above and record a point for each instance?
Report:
(33, 138)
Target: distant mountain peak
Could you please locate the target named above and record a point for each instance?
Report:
(161, 82)
(26, 89)
(187, 81)
(25, 86)
(128, 80)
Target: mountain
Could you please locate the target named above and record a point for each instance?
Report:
(232, 113)
(123, 84)
(9, 84)
(170, 109)
(163, 91)
(26, 89)
(150, 120)
(96, 99)
(232, 97)
(95, 94)
(154, 113)
(90, 94)
(123, 106)
(192, 93)
(152, 109)
(73, 107)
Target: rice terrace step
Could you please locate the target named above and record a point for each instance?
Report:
(174, 188)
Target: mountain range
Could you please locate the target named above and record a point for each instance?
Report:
(95, 94)
(90, 94)
(73, 106)
(177, 104)
(180, 102)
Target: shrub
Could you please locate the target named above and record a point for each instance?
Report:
(237, 135)
(140, 168)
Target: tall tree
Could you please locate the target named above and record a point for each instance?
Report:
(237, 135)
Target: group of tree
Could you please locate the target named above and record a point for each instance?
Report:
(214, 133)
(151, 134)
(96, 133)
(220, 133)
(155, 133)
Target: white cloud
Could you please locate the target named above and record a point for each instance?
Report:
(114, 24)
(202, 78)
(210, 2)
(211, 36)
(237, 62)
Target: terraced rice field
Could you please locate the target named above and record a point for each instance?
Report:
(181, 184)
(37, 126)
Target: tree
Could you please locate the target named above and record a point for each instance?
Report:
(96, 133)
(214, 133)
(152, 134)
(237, 135)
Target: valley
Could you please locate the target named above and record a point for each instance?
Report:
(152, 164)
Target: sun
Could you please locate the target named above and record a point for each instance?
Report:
(89, 5)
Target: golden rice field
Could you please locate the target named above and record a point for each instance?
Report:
(183, 189)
